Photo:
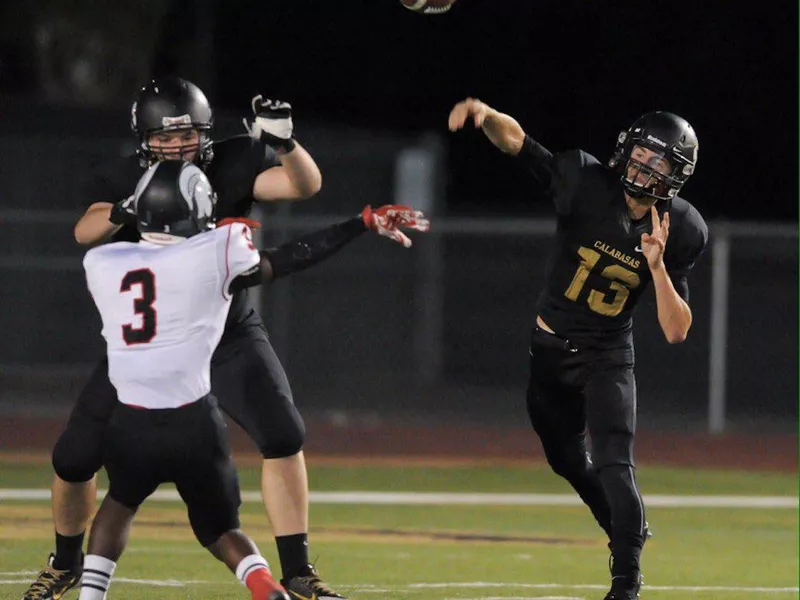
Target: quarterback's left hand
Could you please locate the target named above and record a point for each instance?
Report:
(654, 244)
(272, 123)
(388, 219)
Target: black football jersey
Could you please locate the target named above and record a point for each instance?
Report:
(597, 272)
(233, 170)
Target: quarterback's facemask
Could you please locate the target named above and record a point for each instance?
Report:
(647, 173)
(169, 109)
(656, 156)
(174, 201)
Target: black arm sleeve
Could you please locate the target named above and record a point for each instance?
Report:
(302, 253)
(539, 161)
(558, 175)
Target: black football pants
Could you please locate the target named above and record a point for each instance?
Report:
(186, 446)
(246, 377)
(572, 390)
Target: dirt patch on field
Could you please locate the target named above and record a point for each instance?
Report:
(31, 439)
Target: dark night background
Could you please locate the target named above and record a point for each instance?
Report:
(369, 80)
(573, 72)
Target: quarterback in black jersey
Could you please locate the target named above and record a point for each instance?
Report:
(620, 227)
(172, 120)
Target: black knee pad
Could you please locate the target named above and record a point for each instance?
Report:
(286, 442)
(78, 453)
(612, 449)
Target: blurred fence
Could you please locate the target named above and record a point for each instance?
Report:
(439, 331)
(379, 332)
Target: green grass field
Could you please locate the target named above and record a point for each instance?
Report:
(450, 551)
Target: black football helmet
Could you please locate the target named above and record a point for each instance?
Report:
(671, 138)
(172, 104)
(174, 200)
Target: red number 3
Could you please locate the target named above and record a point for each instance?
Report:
(143, 305)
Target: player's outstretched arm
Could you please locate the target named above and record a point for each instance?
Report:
(501, 129)
(298, 177)
(313, 248)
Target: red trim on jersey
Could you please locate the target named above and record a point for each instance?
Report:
(227, 263)
(231, 220)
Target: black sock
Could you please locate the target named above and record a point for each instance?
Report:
(293, 553)
(69, 553)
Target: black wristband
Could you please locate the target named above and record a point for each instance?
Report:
(121, 216)
(278, 143)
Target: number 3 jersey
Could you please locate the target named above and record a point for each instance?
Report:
(164, 308)
(597, 271)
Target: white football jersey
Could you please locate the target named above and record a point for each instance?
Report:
(164, 308)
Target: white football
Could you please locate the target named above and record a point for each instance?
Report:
(428, 7)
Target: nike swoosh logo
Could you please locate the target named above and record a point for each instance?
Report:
(638, 249)
(301, 597)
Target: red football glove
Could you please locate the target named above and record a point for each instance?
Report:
(386, 221)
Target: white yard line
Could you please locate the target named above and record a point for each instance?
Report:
(665, 588)
(461, 585)
(476, 499)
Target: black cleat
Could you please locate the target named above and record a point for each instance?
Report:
(309, 586)
(52, 584)
(625, 588)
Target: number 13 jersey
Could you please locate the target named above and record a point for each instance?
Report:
(597, 271)
(164, 308)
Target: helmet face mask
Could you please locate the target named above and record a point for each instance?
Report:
(647, 173)
(669, 146)
(165, 107)
(174, 144)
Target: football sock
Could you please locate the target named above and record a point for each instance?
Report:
(68, 551)
(97, 573)
(253, 571)
(293, 553)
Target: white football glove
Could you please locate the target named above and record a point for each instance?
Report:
(272, 123)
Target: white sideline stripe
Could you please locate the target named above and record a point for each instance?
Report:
(663, 588)
(151, 582)
(474, 584)
(436, 498)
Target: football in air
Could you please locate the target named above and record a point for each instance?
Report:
(428, 7)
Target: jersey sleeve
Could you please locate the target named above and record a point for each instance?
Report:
(688, 248)
(237, 254)
(557, 174)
